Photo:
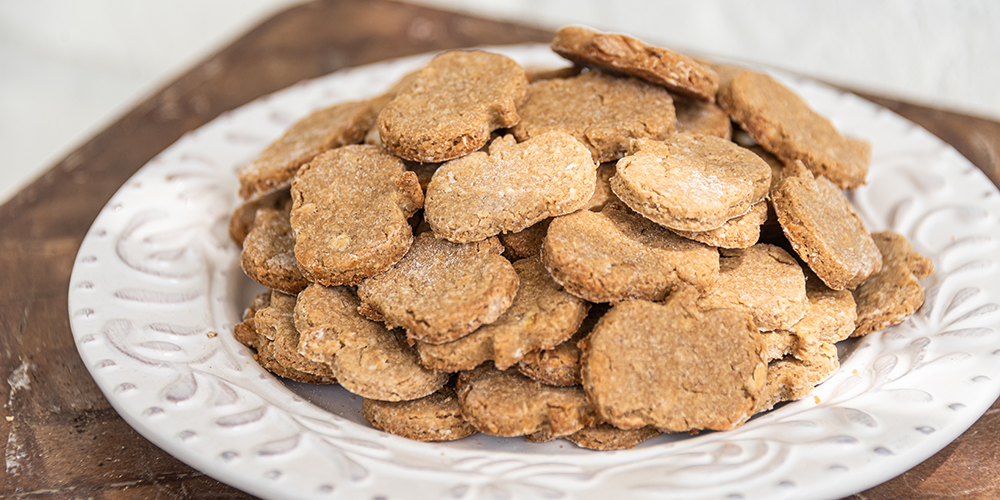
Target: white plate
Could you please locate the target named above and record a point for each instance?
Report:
(156, 274)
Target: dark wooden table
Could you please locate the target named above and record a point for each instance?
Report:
(63, 439)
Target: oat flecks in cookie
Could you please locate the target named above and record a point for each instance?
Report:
(762, 280)
(603, 112)
(367, 359)
(452, 105)
(645, 364)
(691, 182)
(782, 123)
(437, 417)
(268, 255)
(609, 437)
(542, 316)
(891, 295)
(506, 403)
(350, 214)
(618, 255)
(510, 188)
(321, 130)
(738, 232)
(628, 55)
(277, 343)
(702, 118)
(824, 229)
(441, 291)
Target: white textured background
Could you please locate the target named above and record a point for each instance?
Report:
(68, 68)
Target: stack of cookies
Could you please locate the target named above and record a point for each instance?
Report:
(584, 253)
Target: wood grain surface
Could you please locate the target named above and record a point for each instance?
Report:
(63, 439)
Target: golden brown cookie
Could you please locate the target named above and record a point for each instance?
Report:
(690, 182)
(894, 293)
(321, 130)
(782, 123)
(268, 255)
(452, 105)
(241, 221)
(829, 318)
(792, 378)
(441, 291)
(603, 112)
(738, 232)
(367, 359)
(704, 118)
(618, 255)
(278, 342)
(687, 368)
(510, 188)
(609, 437)
(561, 365)
(764, 281)
(622, 53)
(824, 229)
(506, 403)
(350, 214)
(437, 417)
(542, 316)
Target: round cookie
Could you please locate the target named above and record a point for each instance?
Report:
(278, 340)
(782, 123)
(618, 255)
(441, 291)
(509, 188)
(691, 182)
(625, 54)
(268, 255)
(603, 112)
(542, 316)
(321, 130)
(506, 403)
(437, 417)
(451, 106)
(687, 369)
(894, 293)
(367, 359)
(823, 229)
(349, 213)
(764, 281)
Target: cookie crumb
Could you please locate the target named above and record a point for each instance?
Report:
(212, 335)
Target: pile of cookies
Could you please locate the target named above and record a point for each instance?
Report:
(595, 253)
